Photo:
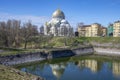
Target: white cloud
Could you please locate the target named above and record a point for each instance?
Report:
(37, 20)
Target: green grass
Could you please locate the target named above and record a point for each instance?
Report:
(9, 51)
(64, 42)
(76, 41)
(23, 51)
(8, 73)
(104, 39)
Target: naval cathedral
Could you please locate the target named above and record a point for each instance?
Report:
(58, 26)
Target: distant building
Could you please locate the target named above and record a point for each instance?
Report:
(104, 31)
(96, 30)
(116, 29)
(110, 30)
(88, 31)
(58, 26)
(93, 30)
(82, 30)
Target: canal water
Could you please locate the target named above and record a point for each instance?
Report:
(75, 69)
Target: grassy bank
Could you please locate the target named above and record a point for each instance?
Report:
(80, 41)
(8, 73)
(57, 43)
(104, 39)
(12, 51)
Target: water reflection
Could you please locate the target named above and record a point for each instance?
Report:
(58, 69)
(85, 69)
(116, 68)
(91, 64)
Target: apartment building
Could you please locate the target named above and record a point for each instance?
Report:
(94, 30)
(116, 29)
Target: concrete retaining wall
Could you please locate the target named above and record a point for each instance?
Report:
(73, 52)
(107, 51)
(22, 58)
(82, 51)
(60, 53)
(39, 56)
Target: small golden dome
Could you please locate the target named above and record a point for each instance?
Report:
(58, 14)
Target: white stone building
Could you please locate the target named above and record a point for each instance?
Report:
(58, 26)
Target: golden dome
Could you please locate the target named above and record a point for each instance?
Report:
(58, 14)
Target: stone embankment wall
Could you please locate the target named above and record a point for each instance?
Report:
(73, 52)
(22, 58)
(110, 49)
(39, 56)
(83, 51)
(107, 51)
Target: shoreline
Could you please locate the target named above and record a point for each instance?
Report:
(107, 51)
(40, 56)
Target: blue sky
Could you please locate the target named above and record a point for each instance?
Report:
(40, 11)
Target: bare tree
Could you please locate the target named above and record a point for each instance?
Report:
(16, 33)
(3, 34)
(12, 34)
(28, 30)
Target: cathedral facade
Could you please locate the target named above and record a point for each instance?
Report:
(58, 26)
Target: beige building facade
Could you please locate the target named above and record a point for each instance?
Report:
(94, 30)
(104, 31)
(83, 30)
(88, 31)
(116, 29)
